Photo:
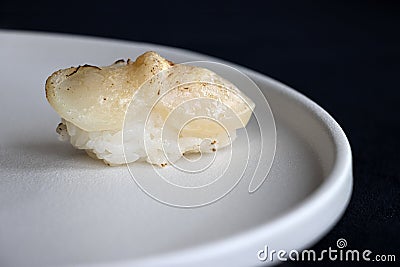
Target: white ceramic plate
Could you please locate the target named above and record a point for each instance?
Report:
(59, 207)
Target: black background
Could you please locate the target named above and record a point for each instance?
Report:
(344, 55)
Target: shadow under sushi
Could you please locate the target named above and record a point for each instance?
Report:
(46, 155)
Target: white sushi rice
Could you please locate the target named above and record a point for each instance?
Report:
(137, 144)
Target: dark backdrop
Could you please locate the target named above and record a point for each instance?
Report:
(344, 55)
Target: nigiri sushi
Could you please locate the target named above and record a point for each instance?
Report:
(148, 110)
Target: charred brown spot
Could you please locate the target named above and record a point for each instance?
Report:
(60, 128)
(75, 71)
(158, 93)
(90, 66)
(119, 61)
(213, 149)
(129, 61)
(170, 63)
(84, 66)
(163, 164)
(214, 142)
